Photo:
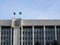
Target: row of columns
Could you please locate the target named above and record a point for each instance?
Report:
(22, 35)
(44, 34)
(17, 38)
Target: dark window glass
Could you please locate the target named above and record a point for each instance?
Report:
(31, 32)
(20, 42)
(34, 32)
(40, 32)
(23, 32)
(20, 38)
(28, 32)
(4, 43)
(16, 23)
(23, 38)
(23, 43)
(40, 38)
(28, 43)
(37, 31)
(31, 38)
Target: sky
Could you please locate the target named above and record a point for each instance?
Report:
(31, 9)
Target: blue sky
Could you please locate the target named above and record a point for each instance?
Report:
(31, 9)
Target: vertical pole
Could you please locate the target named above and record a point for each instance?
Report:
(33, 33)
(55, 33)
(21, 35)
(44, 36)
(16, 38)
(11, 36)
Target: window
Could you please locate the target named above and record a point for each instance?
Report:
(28, 43)
(25, 43)
(40, 38)
(28, 38)
(4, 43)
(31, 38)
(37, 31)
(48, 38)
(40, 32)
(7, 32)
(25, 32)
(20, 43)
(28, 32)
(4, 37)
(31, 32)
(20, 38)
(34, 32)
(16, 23)
(25, 38)
(1, 43)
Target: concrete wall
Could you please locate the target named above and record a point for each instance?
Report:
(41, 22)
(31, 22)
(5, 22)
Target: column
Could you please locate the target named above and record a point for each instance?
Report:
(44, 36)
(0, 35)
(33, 33)
(21, 35)
(11, 36)
(16, 36)
(55, 33)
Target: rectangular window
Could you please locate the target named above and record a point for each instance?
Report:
(5, 35)
(16, 23)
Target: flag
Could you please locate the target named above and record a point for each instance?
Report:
(20, 13)
(14, 13)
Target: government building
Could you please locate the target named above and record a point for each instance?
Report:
(27, 32)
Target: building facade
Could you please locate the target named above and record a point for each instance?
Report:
(28, 32)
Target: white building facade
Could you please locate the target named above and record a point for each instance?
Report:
(28, 32)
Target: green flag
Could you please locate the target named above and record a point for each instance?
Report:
(20, 13)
